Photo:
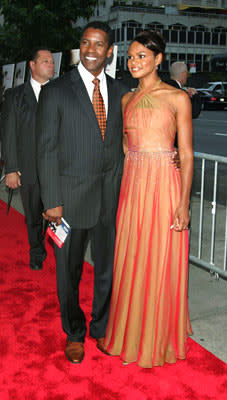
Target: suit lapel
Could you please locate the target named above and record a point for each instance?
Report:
(110, 90)
(29, 95)
(82, 96)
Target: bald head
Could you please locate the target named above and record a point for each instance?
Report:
(179, 71)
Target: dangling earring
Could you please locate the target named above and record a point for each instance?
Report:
(157, 66)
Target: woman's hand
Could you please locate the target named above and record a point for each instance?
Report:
(181, 218)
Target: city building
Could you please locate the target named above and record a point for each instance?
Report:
(195, 31)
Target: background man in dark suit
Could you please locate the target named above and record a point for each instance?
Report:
(19, 148)
(80, 175)
(178, 78)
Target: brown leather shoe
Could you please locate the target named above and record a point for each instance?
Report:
(100, 345)
(74, 351)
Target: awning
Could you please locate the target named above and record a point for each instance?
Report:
(183, 7)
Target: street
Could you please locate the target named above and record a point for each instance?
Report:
(210, 133)
(210, 137)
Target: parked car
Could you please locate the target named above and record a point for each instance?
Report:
(213, 100)
(213, 95)
(218, 87)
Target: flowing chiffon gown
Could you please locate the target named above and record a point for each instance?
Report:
(149, 320)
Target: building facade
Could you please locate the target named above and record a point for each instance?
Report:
(194, 31)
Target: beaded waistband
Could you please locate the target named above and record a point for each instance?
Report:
(150, 153)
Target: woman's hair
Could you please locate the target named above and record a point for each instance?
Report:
(152, 40)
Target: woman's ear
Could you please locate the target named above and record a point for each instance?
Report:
(158, 59)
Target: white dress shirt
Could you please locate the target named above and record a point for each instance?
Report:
(87, 78)
(178, 83)
(36, 86)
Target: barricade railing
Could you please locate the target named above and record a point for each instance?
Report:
(208, 233)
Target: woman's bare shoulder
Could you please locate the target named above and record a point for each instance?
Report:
(125, 99)
(174, 94)
(170, 88)
(127, 96)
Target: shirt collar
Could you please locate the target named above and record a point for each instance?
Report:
(37, 84)
(87, 75)
(178, 83)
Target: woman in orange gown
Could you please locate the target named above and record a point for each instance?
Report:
(149, 320)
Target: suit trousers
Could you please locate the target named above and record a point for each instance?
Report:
(69, 266)
(33, 208)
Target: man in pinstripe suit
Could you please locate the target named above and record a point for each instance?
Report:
(80, 175)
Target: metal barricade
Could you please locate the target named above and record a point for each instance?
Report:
(208, 233)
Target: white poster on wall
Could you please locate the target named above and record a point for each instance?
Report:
(57, 63)
(112, 64)
(7, 72)
(19, 73)
(75, 56)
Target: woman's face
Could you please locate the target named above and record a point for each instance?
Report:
(142, 61)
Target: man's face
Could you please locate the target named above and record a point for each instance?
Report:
(43, 67)
(184, 77)
(94, 50)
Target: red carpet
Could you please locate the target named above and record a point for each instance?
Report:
(33, 365)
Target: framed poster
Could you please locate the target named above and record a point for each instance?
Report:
(112, 64)
(57, 63)
(19, 73)
(75, 56)
(7, 72)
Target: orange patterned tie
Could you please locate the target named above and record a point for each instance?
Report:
(99, 107)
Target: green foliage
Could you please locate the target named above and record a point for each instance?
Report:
(30, 23)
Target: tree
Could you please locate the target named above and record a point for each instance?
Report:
(30, 23)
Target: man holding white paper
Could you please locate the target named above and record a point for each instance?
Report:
(80, 161)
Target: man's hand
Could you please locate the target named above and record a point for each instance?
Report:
(191, 91)
(176, 159)
(13, 180)
(54, 214)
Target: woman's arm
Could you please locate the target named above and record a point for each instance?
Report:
(184, 131)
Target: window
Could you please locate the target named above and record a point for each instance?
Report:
(199, 37)
(182, 36)
(178, 27)
(190, 58)
(131, 24)
(166, 34)
(214, 38)
(182, 57)
(199, 28)
(173, 58)
(155, 26)
(174, 36)
(219, 29)
(223, 39)
(133, 28)
(207, 37)
(191, 37)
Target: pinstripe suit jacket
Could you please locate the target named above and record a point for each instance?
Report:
(76, 168)
(18, 132)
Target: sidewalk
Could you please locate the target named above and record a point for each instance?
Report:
(207, 300)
